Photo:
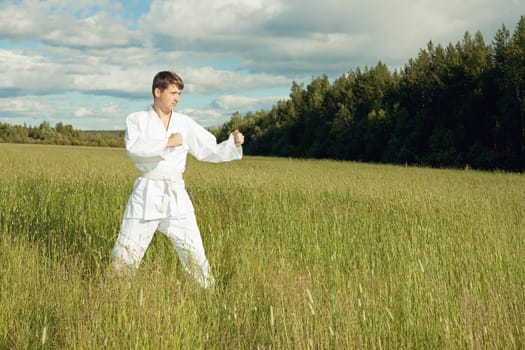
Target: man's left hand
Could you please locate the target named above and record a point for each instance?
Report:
(238, 138)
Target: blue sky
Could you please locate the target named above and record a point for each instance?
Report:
(89, 63)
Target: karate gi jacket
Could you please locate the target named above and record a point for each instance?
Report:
(160, 192)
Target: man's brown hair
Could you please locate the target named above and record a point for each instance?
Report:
(164, 79)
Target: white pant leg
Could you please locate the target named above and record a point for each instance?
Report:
(134, 238)
(185, 236)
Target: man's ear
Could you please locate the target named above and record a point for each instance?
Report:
(157, 92)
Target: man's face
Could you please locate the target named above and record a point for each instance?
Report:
(168, 98)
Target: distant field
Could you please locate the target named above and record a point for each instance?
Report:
(308, 254)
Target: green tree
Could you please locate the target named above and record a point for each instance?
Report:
(517, 79)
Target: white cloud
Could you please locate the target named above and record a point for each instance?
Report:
(63, 23)
(222, 108)
(96, 72)
(208, 79)
(82, 112)
(69, 109)
(26, 105)
(206, 117)
(195, 19)
(27, 72)
(245, 104)
(112, 109)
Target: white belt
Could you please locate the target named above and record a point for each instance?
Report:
(154, 175)
(170, 181)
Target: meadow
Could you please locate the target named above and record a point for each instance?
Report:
(308, 254)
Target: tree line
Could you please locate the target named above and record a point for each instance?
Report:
(60, 134)
(455, 106)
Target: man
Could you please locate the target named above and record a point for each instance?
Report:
(158, 141)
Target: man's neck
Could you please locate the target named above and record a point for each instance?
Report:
(162, 114)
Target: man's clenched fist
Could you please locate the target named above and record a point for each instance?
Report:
(238, 138)
(174, 140)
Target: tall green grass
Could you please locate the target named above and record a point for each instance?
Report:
(307, 255)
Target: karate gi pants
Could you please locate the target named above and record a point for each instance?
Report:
(136, 234)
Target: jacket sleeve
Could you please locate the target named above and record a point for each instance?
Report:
(139, 148)
(203, 146)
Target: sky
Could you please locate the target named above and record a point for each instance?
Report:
(90, 63)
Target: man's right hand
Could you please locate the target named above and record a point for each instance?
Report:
(174, 140)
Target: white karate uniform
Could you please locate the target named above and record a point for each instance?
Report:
(159, 200)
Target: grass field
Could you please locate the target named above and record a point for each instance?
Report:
(307, 254)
